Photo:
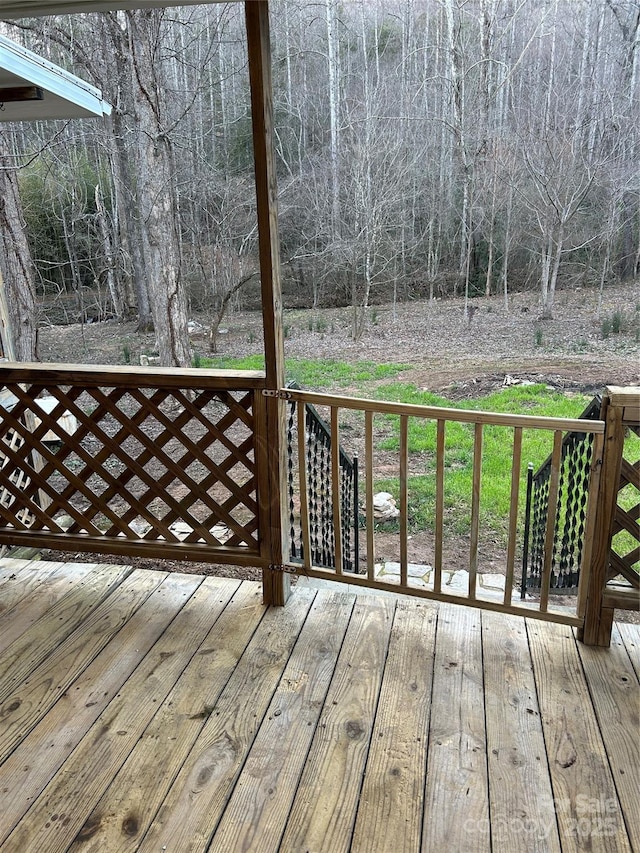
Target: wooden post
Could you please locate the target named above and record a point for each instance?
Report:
(276, 583)
(598, 619)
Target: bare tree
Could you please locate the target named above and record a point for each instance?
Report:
(15, 256)
(156, 188)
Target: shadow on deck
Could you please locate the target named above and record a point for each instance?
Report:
(150, 711)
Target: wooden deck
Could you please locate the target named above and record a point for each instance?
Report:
(167, 712)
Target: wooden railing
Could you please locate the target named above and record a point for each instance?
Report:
(360, 416)
(620, 471)
(182, 464)
(135, 461)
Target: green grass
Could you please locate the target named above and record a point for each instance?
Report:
(314, 374)
(458, 459)
(497, 441)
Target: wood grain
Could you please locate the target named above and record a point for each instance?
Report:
(259, 806)
(631, 640)
(513, 513)
(439, 520)
(475, 510)
(50, 588)
(52, 740)
(404, 499)
(202, 788)
(74, 791)
(561, 617)
(129, 376)
(616, 700)
(583, 787)
(276, 585)
(187, 716)
(468, 416)
(390, 810)
(32, 573)
(128, 807)
(33, 646)
(326, 798)
(520, 791)
(27, 704)
(368, 461)
(456, 813)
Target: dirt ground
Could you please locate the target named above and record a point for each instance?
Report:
(448, 353)
(577, 351)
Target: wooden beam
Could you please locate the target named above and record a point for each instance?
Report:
(598, 618)
(257, 17)
(13, 94)
(276, 584)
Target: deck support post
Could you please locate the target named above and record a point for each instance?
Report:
(598, 618)
(276, 585)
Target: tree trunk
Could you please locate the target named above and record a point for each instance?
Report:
(156, 194)
(457, 123)
(109, 264)
(334, 101)
(15, 260)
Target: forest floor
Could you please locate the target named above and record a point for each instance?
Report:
(577, 349)
(584, 348)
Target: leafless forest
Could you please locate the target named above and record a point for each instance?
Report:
(425, 148)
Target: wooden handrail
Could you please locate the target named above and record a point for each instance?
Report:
(127, 376)
(513, 423)
(468, 416)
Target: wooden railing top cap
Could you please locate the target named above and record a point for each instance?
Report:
(628, 395)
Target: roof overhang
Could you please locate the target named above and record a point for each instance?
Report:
(36, 89)
(28, 8)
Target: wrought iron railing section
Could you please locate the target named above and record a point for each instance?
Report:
(319, 495)
(570, 515)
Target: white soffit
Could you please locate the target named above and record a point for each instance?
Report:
(51, 91)
(26, 8)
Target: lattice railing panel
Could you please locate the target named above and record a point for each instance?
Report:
(150, 465)
(625, 544)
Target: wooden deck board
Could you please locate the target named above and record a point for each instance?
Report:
(326, 799)
(520, 785)
(456, 810)
(578, 765)
(176, 712)
(197, 800)
(31, 576)
(84, 776)
(51, 679)
(255, 817)
(630, 635)
(59, 732)
(614, 692)
(127, 808)
(32, 647)
(19, 615)
(390, 810)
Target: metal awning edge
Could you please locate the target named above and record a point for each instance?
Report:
(45, 75)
